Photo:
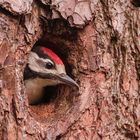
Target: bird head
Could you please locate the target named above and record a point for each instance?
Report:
(43, 63)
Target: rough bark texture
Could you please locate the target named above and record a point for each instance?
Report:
(99, 40)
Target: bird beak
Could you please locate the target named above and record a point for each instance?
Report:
(63, 78)
(67, 80)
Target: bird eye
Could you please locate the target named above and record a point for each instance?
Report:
(49, 65)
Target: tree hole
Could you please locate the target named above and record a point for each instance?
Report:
(58, 99)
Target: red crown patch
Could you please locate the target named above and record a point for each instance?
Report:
(52, 55)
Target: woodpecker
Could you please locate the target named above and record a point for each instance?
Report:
(44, 68)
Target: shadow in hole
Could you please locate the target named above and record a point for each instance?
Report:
(50, 94)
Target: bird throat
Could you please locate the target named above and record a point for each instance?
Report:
(35, 88)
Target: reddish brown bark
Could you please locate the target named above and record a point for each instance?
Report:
(99, 43)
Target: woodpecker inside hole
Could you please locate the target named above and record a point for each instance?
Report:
(44, 68)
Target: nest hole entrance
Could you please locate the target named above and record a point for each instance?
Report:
(57, 99)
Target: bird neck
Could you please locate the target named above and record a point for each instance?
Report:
(35, 88)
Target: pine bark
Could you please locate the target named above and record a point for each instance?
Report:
(100, 42)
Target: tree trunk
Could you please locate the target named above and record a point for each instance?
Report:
(99, 42)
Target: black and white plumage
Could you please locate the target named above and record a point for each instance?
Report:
(44, 68)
